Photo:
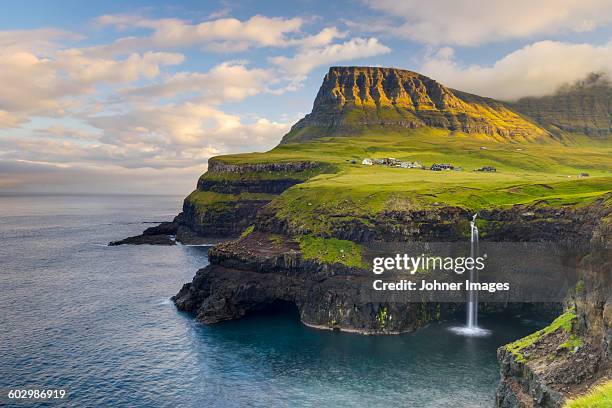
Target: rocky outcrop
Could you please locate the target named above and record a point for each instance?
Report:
(228, 196)
(161, 234)
(257, 271)
(217, 220)
(533, 222)
(353, 98)
(227, 200)
(446, 224)
(549, 366)
(269, 265)
(217, 166)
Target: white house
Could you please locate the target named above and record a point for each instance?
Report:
(410, 165)
(367, 162)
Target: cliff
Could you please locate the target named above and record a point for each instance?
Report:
(572, 355)
(329, 279)
(582, 108)
(360, 97)
(226, 200)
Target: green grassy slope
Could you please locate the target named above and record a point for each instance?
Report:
(525, 172)
(599, 397)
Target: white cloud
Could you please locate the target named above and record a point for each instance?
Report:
(39, 41)
(228, 81)
(47, 84)
(89, 70)
(123, 112)
(165, 137)
(322, 38)
(196, 129)
(535, 70)
(476, 22)
(309, 58)
(224, 34)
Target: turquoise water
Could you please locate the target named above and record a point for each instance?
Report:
(96, 320)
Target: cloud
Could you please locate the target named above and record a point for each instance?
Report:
(534, 70)
(482, 21)
(89, 70)
(309, 58)
(48, 85)
(228, 81)
(167, 137)
(194, 130)
(223, 34)
(122, 112)
(40, 40)
(322, 38)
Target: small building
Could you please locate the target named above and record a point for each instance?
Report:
(581, 175)
(387, 161)
(489, 169)
(410, 165)
(442, 166)
(367, 162)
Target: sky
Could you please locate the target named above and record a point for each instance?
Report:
(135, 96)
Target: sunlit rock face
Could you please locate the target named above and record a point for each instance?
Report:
(357, 97)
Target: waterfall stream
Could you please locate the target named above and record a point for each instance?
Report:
(472, 306)
(471, 328)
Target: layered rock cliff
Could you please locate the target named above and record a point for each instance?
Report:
(270, 263)
(582, 108)
(353, 98)
(574, 353)
(226, 200)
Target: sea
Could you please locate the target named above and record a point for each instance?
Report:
(97, 322)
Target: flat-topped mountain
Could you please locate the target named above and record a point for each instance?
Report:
(583, 108)
(353, 98)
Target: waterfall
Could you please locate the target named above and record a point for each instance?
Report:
(472, 306)
(471, 328)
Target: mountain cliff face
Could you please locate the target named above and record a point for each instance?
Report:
(584, 108)
(362, 97)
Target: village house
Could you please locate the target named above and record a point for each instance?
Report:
(410, 165)
(489, 169)
(392, 162)
(387, 161)
(440, 167)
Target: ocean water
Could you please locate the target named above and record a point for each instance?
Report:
(97, 321)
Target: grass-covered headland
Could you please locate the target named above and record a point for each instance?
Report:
(545, 172)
